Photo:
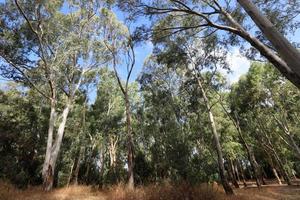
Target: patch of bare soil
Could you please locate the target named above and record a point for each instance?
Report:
(270, 192)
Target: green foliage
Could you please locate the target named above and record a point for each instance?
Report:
(181, 85)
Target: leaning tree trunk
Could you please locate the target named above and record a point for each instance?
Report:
(232, 173)
(129, 143)
(294, 144)
(289, 135)
(281, 167)
(236, 171)
(255, 167)
(53, 150)
(268, 53)
(271, 163)
(285, 49)
(239, 166)
(222, 173)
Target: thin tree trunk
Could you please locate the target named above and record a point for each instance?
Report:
(273, 167)
(250, 171)
(290, 136)
(101, 167)
(129, 144)
(71, 173)
(233, 176)
(283, 171)
(251, 156)
(130, 161)
(88, 160)
(270, 147)
(294, 144)
(276, 175)
(285, 49)
(76, 172)
(239, 166)
(113, 151)
(222, 173)
(236, 171)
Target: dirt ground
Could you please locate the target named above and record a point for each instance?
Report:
(271, 192)
(267, 192)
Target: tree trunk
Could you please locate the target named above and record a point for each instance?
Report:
(285, 49)
(222, 173)
(239, 166)
(272, 57)
(270, 147)
(129, 143)
(113, 151)
(233, 175)
(290, 136)
(71, 173)
(101, 167)
(76, 172)
(236, 171)
(276, 175)
(283, 171)
(88, 161)
(251, 157)
(50, 162)
(294, 144)
(273, 167)
(47, 169)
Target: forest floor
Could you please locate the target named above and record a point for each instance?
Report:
(165, 192)
(270, 192)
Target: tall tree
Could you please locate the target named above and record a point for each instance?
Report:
(121, 47)
(285, 49)
(225, 18)
(196, 56)
(53, 51)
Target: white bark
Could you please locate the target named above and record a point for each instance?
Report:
(50, 138)
(53, 149)
(221, 166)
(60, 132)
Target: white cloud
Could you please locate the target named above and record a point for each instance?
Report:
(238, 64)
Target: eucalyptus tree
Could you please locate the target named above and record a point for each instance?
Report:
(106, 118)
(164, 124)
(264, 98)
(51, 51)
(120, 44)
(196, 56)
(233, 26)
(285, 49)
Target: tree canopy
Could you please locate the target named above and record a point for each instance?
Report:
(72, 110)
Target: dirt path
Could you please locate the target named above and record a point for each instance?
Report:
(271, 192)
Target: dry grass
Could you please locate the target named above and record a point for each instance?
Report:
(169, 192)
(8, 192)
(152, 192)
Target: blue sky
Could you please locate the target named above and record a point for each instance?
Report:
(238, 64)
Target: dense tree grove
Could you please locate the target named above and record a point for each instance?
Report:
(72, 112)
